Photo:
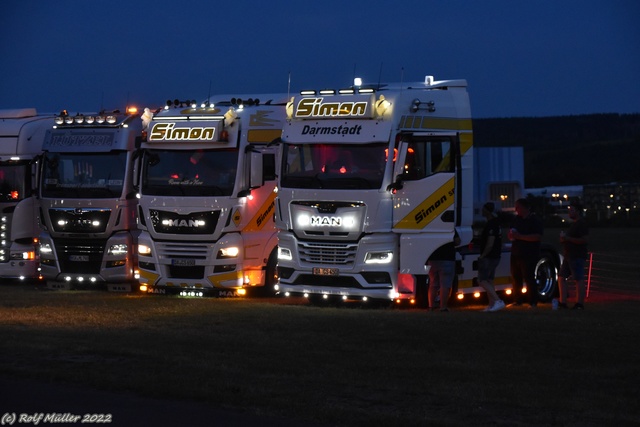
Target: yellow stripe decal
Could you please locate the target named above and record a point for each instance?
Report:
(432, 207)
(263, 135)
(263, 215)
(217, 279)
(422, 123)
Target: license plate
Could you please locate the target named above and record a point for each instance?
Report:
(183, 262)
(79, 258)
(321, 271)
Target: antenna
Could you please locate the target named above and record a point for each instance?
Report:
(289, 86)
(209, 95)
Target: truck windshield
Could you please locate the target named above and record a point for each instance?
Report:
(84, 175)
(13, 181)
(195, 173)
(334, 166)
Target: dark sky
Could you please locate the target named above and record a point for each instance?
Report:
(520, 58)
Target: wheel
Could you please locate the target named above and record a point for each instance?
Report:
(547, 276)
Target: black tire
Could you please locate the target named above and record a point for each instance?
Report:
(547, 275)
(271, 275)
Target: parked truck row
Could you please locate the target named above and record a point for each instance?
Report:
(329, 194)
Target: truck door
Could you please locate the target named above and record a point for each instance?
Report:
(426, 171)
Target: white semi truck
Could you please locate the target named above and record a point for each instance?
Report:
(88, 205)
(373, 180)
(21, 135)
(206, 196)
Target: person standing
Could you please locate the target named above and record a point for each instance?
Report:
(490, 251)
(574, 243)
(525, 235)
(442, 269)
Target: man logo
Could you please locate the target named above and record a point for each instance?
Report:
(326, 221)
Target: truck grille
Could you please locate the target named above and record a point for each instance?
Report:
(167, 222)
(183, 250)
(343, 254)
(79, 220)
(80, 256)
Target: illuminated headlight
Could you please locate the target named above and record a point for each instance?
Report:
(89, 120)
(284, 254)
(23, 255)
(62, 223)
(303, 220)
(68, 120)
(111, 119)
(120, 249)
(144, 250)
(79, 119)
(100, 119)
(378, 257)
(230, 252)
(96, 223)
(45, 248)
(59, 120)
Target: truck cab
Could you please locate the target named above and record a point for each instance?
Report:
(206, 196)
(21, 134)
(88, 205)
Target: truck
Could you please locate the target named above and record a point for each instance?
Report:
(372, 180)
(88, 205)
(206, 196)
(21, 133)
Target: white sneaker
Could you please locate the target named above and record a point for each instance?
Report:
(498, 305)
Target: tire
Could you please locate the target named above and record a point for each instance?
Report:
(271, 275)
(547, 275)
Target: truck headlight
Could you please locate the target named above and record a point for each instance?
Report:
(119, 249)
(144, 250)
(284, 254)
(45, 248)
(384, 257)
(230, 252)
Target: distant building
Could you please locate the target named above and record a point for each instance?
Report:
(607, 200)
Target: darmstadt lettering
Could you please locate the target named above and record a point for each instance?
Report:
(168, 132)
(331, 130)
(314, 107)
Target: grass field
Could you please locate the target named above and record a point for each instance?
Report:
(337, 366)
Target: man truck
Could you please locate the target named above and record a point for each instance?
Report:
(206, 196)
(372, 180)
(88, 205)
(21, 134)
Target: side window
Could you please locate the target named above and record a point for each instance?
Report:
(426, 157)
